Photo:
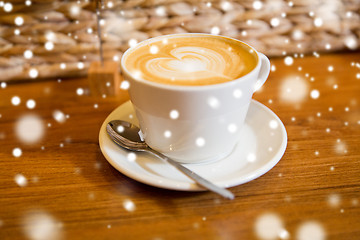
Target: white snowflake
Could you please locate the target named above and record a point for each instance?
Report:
(30, 104)
(17, 152)
(21, 180)
(129, 205)
(311, 230)
(315, 94)
(174, 114)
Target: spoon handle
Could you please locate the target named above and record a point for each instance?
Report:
(198, 179)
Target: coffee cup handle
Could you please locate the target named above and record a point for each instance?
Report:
(264, 71)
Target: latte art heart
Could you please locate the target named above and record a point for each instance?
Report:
(189, 63)
(186, 65)
(195, 60)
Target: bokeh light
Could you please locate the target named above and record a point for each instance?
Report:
(237, 93)
(15, 100)
(288, 60)
(174, 114)
(315, 94)
(49, 46)
(129, 205)
(311, 230)
(275, 22)
(200, 142)
(167, 134)
(213, 102)
(257, 5)
(28, 54)
(33, 73)
(30, 104)
(29, 128)
(273, 124)
(20, 180)
(40, 225)
(124, 85)
(215, 30)
(154, 49)
(318, 22)
(251, 157)
(59, 116)
(80, 91)
(294, 89)
(17, 152)
(19, 21)
(75, 10)
(132, 42)
(232, 128)
(8, 7)
(334, 199)
(131, 157)
(269, 226)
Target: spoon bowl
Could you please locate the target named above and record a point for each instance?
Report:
(127, 135)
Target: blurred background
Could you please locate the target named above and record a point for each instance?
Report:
(47, 39)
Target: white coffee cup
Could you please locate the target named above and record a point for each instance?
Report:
(193, 124)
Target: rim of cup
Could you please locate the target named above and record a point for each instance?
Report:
(184, 87)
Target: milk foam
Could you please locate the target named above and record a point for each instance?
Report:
(187, 64)
(191, 61)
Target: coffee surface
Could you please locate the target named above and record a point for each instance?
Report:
(191, 60)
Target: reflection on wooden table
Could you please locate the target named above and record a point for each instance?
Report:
(56, 184)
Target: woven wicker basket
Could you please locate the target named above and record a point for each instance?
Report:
(43, 38)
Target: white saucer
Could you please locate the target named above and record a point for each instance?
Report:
(260, 149)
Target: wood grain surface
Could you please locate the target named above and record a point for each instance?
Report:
(56, 184)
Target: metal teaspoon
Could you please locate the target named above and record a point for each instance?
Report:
(126, 135)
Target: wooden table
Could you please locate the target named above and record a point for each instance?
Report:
(56, 184)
